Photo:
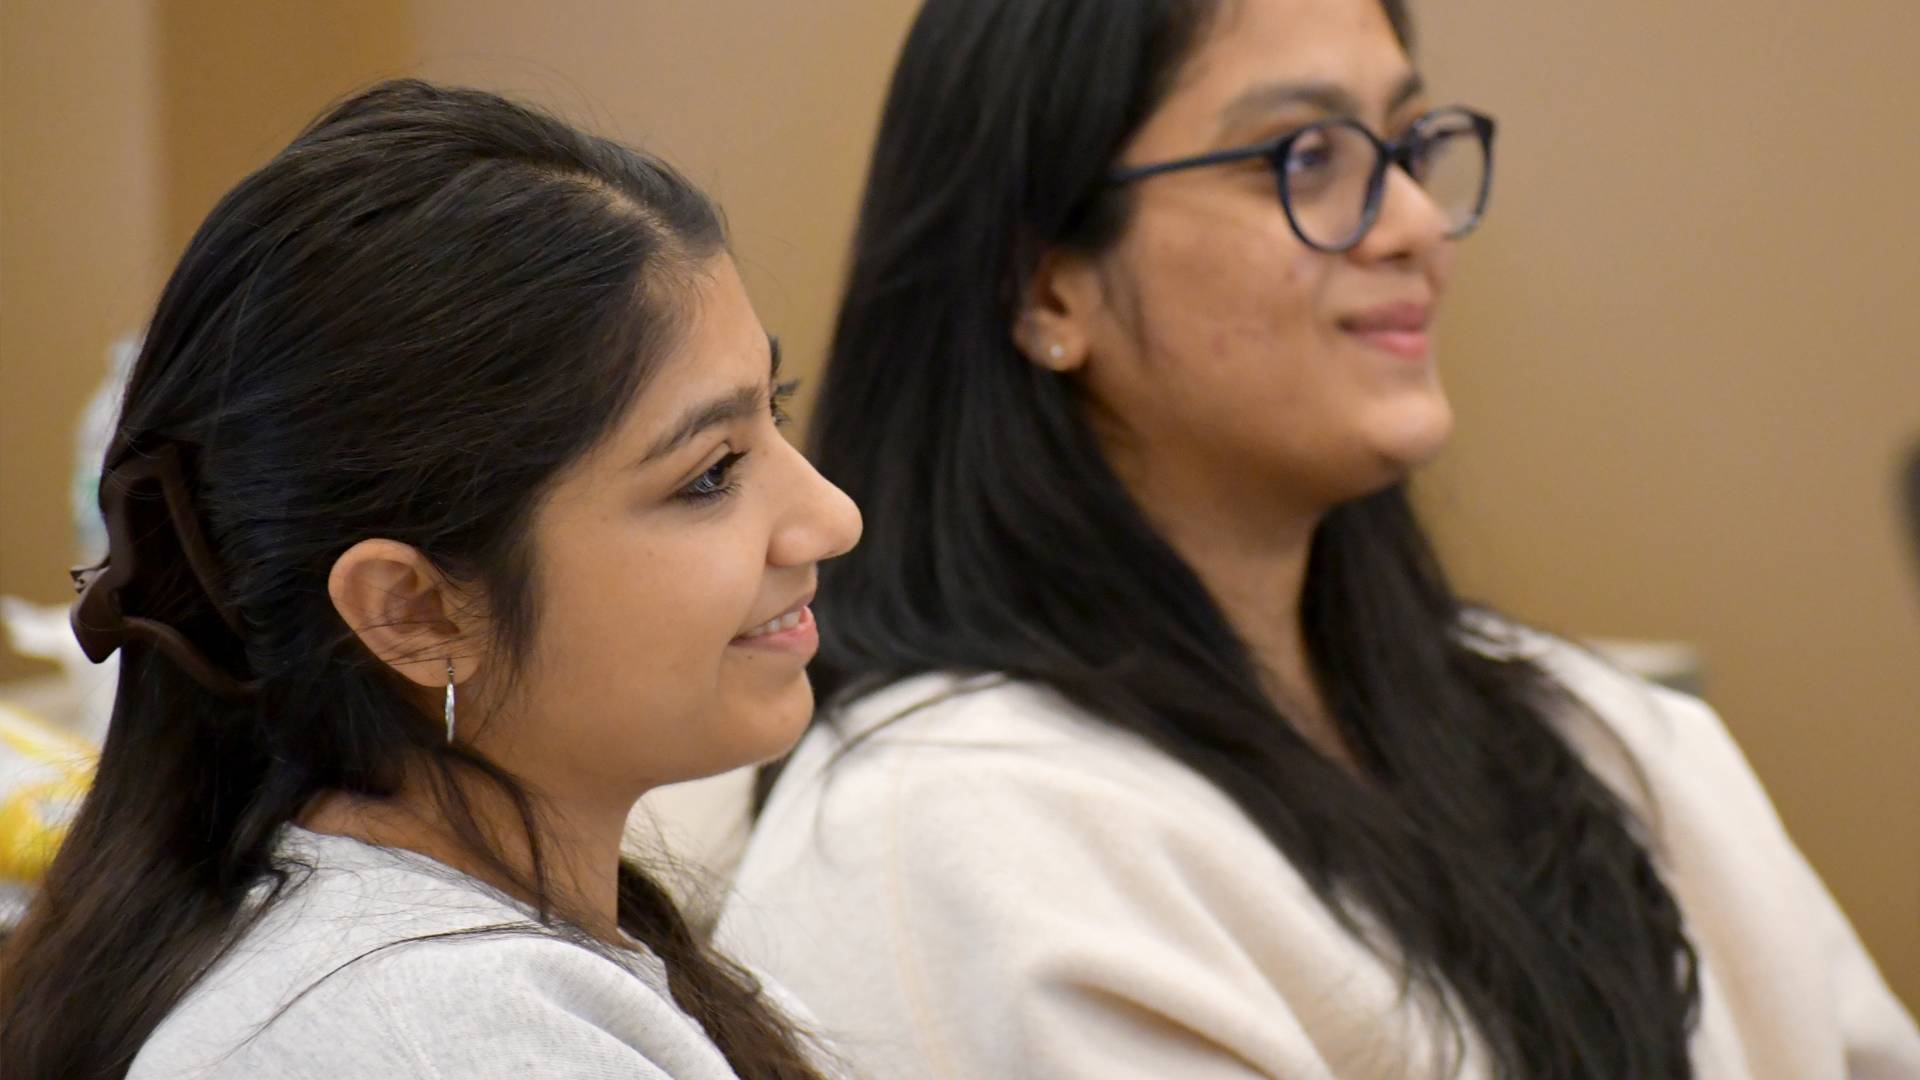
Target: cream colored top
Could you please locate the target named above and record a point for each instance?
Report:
(999, 885)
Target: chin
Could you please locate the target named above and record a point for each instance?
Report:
(1393, 455)
(779, 723)
(1415, 433)
(746, 738)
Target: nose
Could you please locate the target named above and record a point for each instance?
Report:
(1411, 226)
(819, 521)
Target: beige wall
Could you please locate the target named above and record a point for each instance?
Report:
(79, 236)
(1682, 349)
(239, 80)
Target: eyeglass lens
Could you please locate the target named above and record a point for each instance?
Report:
(1329, 172)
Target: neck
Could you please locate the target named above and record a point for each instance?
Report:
(579, 844)
(1251, 555)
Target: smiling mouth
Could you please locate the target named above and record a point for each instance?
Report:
(775, 625)
(1400, 329)
(795, 622)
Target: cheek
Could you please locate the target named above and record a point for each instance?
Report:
(1223, 287)
(666, 609)
(644, 672)
(634, 626)
(1230, 323)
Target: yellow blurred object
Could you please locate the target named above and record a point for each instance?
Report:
(44, 773)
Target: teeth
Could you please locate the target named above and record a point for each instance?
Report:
(774, 626)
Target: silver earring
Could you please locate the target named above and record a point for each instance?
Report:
(1056, 350)
(449, 701)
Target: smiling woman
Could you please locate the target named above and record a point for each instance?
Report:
(449, 515)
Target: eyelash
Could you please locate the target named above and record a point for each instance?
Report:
(714, 484)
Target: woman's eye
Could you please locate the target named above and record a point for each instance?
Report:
(1317, 161)
(1312, 154)
(715, 483)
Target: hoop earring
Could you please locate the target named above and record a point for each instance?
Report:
(449, 701)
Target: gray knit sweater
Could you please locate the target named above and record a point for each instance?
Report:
(333, 984)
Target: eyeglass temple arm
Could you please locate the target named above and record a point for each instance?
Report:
(1217, 157)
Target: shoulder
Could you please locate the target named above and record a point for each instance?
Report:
(1651, 721)
(985, 790)
(987, 745)
(377, 971)
(1667, 755)
(512, 1004)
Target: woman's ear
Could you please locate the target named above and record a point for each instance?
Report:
(1056, 321)
(405, 612)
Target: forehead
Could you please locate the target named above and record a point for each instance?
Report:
(719, 346)
(716, 351)
(1346, 43)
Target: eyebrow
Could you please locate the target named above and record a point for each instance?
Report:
(1258, 102)
(735, 405)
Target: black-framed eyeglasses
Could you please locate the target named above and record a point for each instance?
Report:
(1332, 174)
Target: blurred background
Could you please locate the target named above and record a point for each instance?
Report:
(1685, 349)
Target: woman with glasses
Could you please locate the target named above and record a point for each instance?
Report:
(1154, 743)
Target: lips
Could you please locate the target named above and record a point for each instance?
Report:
(1400, 329)
(784, 622)
(792, 617)
(1407, 318)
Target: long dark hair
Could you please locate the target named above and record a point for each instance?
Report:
(402, 326)
(999, 539)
